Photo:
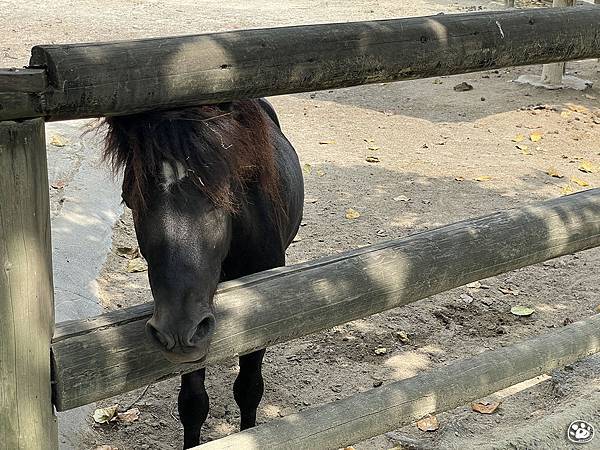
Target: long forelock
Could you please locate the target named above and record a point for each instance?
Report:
(217, 151)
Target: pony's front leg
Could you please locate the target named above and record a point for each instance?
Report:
(249, 387)
(193, 406)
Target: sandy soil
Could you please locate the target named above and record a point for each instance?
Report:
(433, 144)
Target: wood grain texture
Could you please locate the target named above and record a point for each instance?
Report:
(109, 355)
(20, 105)
(362, 416)
(23, 80)
(26, 299)
(111, 78)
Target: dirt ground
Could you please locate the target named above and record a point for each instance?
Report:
(433, 144)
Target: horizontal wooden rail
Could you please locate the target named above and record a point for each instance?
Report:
(102, 357)
(89, 80)
(371, 413)
(23, 80)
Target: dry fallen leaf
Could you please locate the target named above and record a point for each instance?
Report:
(535, 136)
(509, 291)
(311, 200)
(372, 159)
(373, 147)
(554, 173)
(463, 87)
(565, 114)
(307, 169)
(485, 407)
(58, 141)
(579, 181)
(128, 252)
(566, 189)
(522, 311)
(58, 184)
(587, 167)
(402, 337)
(320, 172)
(474, 285)
(429, 423)
(380, 351)
(352, 214)
(459, 178)
(104, 415)
(401, 198)
(577, 108)
(518, 138)
(136, 265)
(483, 178)
(129, 416)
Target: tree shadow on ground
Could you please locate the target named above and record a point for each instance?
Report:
(435, 100)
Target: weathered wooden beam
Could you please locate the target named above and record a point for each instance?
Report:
(374, 412)
(19, 105)
(109, 355)
(552, 74)
(98, 79)
(23, 80)
(27, 420)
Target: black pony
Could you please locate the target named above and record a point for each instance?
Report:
(216, 193)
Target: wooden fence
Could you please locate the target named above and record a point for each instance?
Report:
(99, 357)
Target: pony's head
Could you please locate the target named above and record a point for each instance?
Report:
(185, 174)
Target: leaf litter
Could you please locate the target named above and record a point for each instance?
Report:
(111, 414)
(485, 407)
(352, 214)
(523, 311)
(58, 140)
(429, 423)
(136, 265)
(587, 167)
(128, 252)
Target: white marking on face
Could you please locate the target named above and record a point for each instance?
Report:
(173, 173)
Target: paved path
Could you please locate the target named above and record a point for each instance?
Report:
(83, 213)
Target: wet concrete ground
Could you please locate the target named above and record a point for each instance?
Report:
(84, 205)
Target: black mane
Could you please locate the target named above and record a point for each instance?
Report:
(220, 150)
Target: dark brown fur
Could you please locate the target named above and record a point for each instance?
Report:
(221, 150)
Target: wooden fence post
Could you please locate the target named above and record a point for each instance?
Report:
(552, 73)
(27, 420)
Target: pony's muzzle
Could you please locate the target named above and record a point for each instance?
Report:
(179, 344)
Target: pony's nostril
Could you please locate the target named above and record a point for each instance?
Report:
(205, 328)
(163, 339)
